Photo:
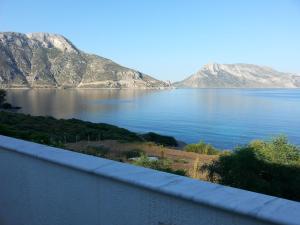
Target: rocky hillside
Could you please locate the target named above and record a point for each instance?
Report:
(239, 76)
(50, 60)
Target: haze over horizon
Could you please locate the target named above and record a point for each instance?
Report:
(168, 39)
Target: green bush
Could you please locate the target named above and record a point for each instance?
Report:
(271, 167)
(201, 148)
(160, 164)
(145, 161)
(134, 153)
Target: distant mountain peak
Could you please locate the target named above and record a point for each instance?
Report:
(49, 40)
(213, 67)
(239, 75)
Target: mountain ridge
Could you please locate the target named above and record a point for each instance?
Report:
(46, 60)
(39, 60)
(239, 75)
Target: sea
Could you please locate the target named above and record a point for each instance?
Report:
(225, 118)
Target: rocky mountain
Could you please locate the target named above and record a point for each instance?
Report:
(239, 76)
(51, 60)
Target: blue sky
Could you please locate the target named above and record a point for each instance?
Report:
(169, 39)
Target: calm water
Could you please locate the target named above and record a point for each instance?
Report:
(222, 117)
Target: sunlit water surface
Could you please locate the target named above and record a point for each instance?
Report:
(222, 117)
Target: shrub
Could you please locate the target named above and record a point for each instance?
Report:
(268, 167)
(160, 164)
(202, 148)
(133, 153)
(145, 161)
(277, 150)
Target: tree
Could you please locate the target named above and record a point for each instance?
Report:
(271, 167)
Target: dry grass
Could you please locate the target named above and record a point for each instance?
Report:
(179, 159)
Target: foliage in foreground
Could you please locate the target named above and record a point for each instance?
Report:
(159, 164)
(271, 167)
(202, 148)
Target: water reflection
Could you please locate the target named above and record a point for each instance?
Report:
(68, 103)
(223, 117)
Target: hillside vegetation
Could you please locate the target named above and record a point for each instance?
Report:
(270, 167)
(58, 132)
